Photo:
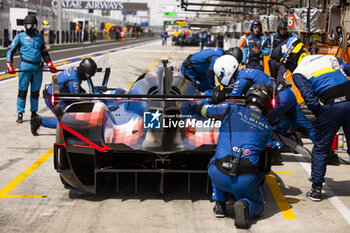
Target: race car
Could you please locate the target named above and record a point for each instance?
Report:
(152, 128)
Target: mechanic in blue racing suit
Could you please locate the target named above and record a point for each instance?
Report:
(286, 110)
(277, 70)
(69, 81)
(198, 67)
(254, 48)
(31, 47)
(244, 134)
(324, 78)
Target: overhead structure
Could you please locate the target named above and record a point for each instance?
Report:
(226, 11)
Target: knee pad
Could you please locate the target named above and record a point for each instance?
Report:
(22, 94)
(34, 95)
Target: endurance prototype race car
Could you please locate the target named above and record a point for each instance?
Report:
(152, 128)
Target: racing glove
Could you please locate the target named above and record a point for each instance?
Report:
(218, 96)
(53, 69)
(10, 68)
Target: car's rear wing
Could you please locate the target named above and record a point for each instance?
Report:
(136, 97)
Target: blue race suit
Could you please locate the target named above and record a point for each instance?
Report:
(286, 105)
(68, 82)
(277, 70)
(243, 133)
(324, 77)
(252, 59)
(31, 49)
(199, 67)
(246, 78)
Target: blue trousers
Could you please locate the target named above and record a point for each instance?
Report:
(24, 79)
(49, 122)
(330, 119)
(244, 187)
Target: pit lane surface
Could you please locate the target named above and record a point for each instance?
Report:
(32, 198)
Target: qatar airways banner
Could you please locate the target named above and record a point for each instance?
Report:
(71, 4)
(101, 5)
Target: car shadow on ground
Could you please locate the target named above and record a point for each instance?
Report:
(177, 187)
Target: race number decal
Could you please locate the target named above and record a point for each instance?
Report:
(291, 21)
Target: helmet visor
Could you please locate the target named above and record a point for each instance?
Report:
(30, 26)
(87, 76)
(226, 80)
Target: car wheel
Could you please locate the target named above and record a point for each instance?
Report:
(58, 135)
(65, 183)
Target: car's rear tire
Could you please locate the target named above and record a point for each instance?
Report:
(60, 140)
(65, 183)
(58, 135)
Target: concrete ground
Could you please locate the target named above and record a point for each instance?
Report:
(32, 198)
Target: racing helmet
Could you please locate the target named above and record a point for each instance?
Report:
(291, 52)
(87, 68)
(236, 52)
(282, 24)
(255, 23)
(30, 24)
(259, 97)
(226, 69)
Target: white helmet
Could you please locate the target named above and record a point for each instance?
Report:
(226, 69)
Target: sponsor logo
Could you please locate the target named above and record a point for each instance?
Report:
(335, 63)
(253, 120)
(284, 48)
(151, 120)
(240, 149)
(340, 99)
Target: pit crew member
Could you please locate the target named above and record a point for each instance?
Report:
(277, 70)
(69, 81)
(244, 134)
(31, 47)
(254, 48)
(198, 67)
(323, 83)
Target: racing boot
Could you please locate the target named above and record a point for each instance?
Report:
(220, 209)
(315, 194)
(333, 158)
(20, 118)
(35, 123)
(276, 158)
(241, 209)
